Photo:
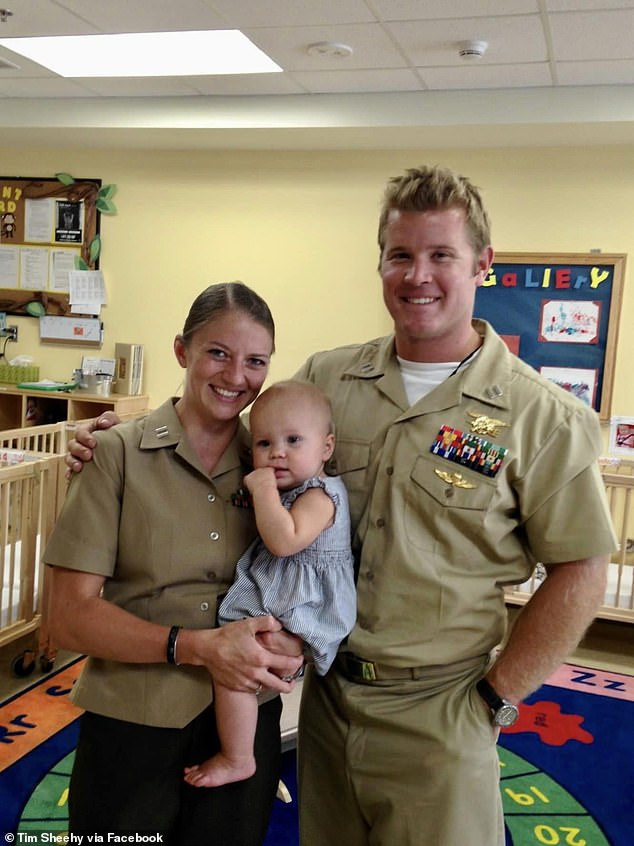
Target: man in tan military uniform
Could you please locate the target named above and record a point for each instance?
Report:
(464, 467)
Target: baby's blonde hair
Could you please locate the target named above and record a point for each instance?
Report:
(303, 391)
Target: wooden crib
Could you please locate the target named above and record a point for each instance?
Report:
(32, 488)
(50, 438)
(618, 604)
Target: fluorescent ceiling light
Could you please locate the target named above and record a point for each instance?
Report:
(146, 54)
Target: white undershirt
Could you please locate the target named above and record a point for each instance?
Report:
(420, 377)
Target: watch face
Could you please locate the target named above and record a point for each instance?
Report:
(506, 715)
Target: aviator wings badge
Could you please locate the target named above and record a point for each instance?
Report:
(455, 479)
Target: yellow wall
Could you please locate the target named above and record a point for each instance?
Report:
(301, 229)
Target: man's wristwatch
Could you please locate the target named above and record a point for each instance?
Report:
(504, 713)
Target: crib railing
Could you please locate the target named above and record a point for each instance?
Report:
(31, 494)
(618, 478)
(50, 438)
(32, 491)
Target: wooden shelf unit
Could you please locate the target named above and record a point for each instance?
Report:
(54, 406)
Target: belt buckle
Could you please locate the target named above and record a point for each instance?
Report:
(364, 669)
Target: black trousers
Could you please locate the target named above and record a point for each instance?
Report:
(128, 779)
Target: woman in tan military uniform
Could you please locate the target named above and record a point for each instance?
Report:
(147, 541)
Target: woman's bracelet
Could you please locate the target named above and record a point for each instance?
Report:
(172, 639)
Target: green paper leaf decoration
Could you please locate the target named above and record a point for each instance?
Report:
(35, 309)
(80, 264)
(95, 248)
(107, 192)
(105, 206)
(65, 178)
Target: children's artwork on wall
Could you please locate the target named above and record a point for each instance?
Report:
(622, 436)
(578, 382)
(561, 312)
(574, 322)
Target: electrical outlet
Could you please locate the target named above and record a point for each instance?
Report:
(11, 332)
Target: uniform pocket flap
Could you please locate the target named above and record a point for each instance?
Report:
(451, 485)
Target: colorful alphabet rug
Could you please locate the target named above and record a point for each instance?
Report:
(567, 766)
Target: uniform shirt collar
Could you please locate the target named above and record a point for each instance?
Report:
(163, 428)
(377, 358)
(486, 379)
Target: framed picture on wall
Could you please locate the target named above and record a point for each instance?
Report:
(561, 312)
(577, 381)
(622, 436)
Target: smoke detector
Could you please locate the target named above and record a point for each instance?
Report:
(330, 49)
(472, 49)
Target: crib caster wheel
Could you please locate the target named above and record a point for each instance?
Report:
(22, 666)
(46, 664)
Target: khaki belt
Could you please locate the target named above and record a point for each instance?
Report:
(359, 670)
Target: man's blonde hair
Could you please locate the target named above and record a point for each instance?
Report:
(428, 188)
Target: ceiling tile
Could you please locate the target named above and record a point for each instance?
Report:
(288, 47)
(144, 86)
(412, 10)
(245, 84)
(513, 39)
(620, 72)
(155, 16)
(401, 48)
(41, 17)
(54, 87)
(357, 81)
(26, 68)
(267, 13)
(473, 75)
(593, 35)
(586, 5)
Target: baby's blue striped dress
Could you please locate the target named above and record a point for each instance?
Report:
(312, 593)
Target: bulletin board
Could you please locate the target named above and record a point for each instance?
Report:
(48, 227)
(560, 314)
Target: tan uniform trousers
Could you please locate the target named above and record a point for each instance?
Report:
(399, 763)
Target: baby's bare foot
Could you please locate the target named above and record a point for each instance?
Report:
(220, 770)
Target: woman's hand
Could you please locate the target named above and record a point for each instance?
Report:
(235, 654)
(282, 643)
(81, 446)
(238, 655)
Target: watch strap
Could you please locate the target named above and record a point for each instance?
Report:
(505, 714)
(489, 694)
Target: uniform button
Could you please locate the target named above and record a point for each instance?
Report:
(368, 623)
(204, 606)
(380, 522)
(211, 497)
(369, 575)
(449, 493)
(211, 575)
(390, 471)
(214, 536)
